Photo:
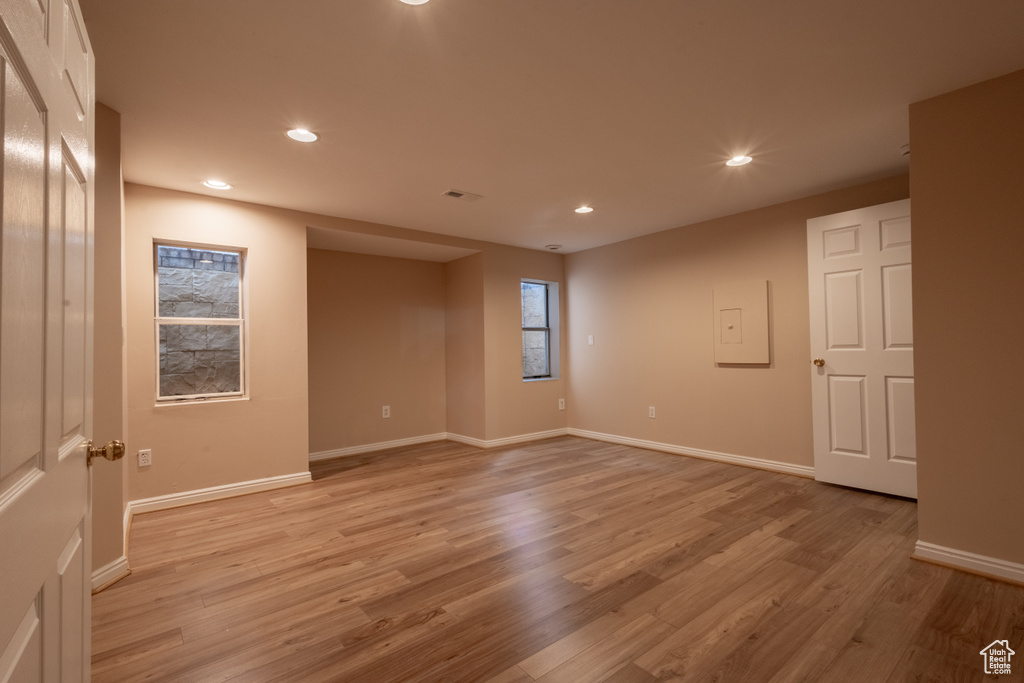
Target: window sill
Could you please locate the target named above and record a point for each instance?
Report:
(540, 379)
(195, 401)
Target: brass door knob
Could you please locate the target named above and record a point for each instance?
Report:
(820, 362)
(112, 451)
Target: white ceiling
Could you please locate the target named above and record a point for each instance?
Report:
(538, 105)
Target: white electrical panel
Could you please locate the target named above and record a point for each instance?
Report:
(741, 323)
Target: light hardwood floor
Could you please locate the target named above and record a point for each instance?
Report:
(562, 560)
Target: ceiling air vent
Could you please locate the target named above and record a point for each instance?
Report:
(464, 196)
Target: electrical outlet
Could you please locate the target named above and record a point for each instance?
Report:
(145, 457)
(561, 404)
(385, 411)
(590, 340)
(650, 412)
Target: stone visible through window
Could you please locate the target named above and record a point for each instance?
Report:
(199, 322)
(536, 330)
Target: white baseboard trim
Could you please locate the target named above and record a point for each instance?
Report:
(972, 562)
(772, 465)
(109, 573)
(746, 461)
(241, 488)
(380, 446)
(430, 438)
(508, 440)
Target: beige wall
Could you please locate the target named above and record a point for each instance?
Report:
(514, 407)
(376, 337)
(487, 397)
(213, 443)
(464, 346)
(108, 501)
(968, 208)
(442, 348)
(648, 304)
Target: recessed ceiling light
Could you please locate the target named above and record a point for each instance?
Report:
(216, 185)
(553, 247)
(738, 161)
(585, 209)
(415, 2)
(303, 135)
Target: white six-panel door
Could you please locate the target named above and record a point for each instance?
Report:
(862, 346)
(46, 194)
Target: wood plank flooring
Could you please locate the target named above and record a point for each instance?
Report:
(561, 560)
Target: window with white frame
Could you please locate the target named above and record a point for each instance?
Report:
(540, 329)
(200, 322)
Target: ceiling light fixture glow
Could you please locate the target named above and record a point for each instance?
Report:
(415, 2)
(585, 209)
(739, 161)
(216, 185)
(303, 135)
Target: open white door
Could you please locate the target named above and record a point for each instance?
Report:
(862, 342)
(46, 190)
